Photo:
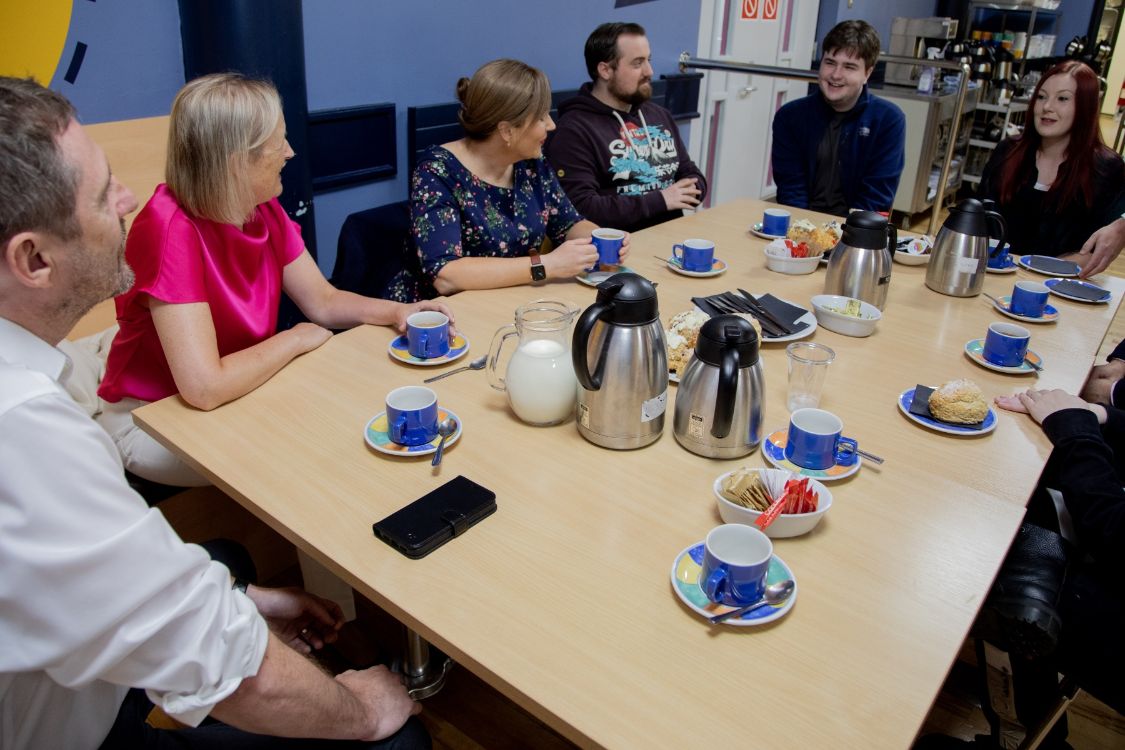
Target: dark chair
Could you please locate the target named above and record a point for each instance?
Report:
(374, 246)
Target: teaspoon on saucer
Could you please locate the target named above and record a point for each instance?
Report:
(776, 593)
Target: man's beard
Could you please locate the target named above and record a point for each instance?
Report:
(95, 282)
(638, 97)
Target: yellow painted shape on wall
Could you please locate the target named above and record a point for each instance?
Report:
(32, 35)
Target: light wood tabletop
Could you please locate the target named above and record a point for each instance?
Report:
(562, 599)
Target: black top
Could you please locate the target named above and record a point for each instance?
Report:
(1033, 228)
(1087, 463)
(827, 191)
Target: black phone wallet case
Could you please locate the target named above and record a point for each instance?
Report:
(435, 518)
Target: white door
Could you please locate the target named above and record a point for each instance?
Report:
(731, 144)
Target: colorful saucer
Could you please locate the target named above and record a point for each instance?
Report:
(1052, 283)
(399, 349)
(1026, 260)
(717, 267)
(1004, 305)
(906, 398)
(685, 582)
(1009, 267)
(376, 435)
(593, 278)
(756, 230)
(773, 448)
(974, 350)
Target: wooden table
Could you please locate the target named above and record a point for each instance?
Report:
(562, 599)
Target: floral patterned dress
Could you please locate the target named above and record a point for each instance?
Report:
(454, 214)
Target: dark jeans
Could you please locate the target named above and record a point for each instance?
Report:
(131, 731)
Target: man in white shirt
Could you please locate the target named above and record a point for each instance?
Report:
(98, 594)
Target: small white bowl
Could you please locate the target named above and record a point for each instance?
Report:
(785, 525)
(845, 324)
(917, 252)
(911, 259)
(778, 259)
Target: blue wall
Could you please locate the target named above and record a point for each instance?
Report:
(360, 52)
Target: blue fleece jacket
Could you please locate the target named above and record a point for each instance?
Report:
(871, 150)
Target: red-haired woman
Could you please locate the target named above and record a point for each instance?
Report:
(1060, 189)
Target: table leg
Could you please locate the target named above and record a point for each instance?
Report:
(424, 667)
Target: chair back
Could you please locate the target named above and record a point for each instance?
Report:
(374, 245)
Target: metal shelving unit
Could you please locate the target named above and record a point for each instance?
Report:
(980, 148)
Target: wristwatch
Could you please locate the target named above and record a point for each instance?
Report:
(240, 584)
(538, 271)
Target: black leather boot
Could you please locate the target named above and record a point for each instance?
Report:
(1020, 615)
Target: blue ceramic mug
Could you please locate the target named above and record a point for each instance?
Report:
(427, 334)
(608, 242)
(815, 442)
(775, 221)
(412, 415)
(736, 559)
(694, 255)
(1006, 344)
(1029, 299)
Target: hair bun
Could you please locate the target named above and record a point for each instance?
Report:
(462, 89)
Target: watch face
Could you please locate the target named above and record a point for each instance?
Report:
(538, 272)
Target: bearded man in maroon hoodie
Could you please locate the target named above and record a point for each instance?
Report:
(618, 156)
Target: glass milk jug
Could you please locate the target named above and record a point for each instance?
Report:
(539, 377)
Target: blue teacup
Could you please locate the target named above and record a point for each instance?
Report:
(775, 221)
(1006, 344)
(998, 257)
(695, 255)
(1029, 299)
(427, 334)
(814, 440)
(412, 415)
(608, 242)
(736, 559)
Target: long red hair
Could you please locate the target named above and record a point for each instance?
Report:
(1075, 179)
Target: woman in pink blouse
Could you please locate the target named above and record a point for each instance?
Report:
(213, 250)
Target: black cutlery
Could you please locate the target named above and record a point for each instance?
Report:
(727, 304)
(764, 313)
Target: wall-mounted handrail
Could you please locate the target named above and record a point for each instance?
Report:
(687, 61)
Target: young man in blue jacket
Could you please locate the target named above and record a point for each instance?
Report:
(840, 148)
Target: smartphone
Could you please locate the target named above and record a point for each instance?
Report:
(436, 517)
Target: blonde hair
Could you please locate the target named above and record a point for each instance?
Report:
(501, 91)
(219, 123)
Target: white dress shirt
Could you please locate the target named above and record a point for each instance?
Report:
(97, 593)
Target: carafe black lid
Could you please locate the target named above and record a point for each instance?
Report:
(866, 229)
(631, 299)
(723, 332)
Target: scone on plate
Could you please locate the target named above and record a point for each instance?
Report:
(682, 331)
(801, 230)
(959, 402)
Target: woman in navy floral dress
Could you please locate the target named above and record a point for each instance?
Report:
(481, 206)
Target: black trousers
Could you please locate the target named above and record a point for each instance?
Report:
(131, 731)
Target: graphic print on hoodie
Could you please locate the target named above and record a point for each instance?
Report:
(644, 158)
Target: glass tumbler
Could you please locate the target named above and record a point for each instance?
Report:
(808, 364)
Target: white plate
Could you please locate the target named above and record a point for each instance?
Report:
(685, 582)
(1006, 269)
(1004, 305)
(974, 350)
(1024, 262)
(717, 267)
(808, 317)
(756, 230)
(906, 398)
(376, 435)
(1052, 283)
(399, 350)
(593, 278)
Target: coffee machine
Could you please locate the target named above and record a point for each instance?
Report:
(910, 37)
